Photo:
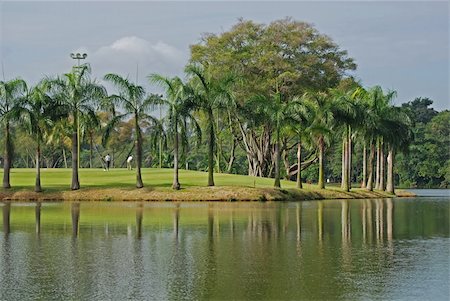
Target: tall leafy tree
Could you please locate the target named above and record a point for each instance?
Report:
(80, 95)
(397, 134)
(179, 106)
(348, 112)
(133, 100)
(37, 113)
(10, 93)
(321, 127)
(209, 94)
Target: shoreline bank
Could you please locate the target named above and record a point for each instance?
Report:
(194, 194)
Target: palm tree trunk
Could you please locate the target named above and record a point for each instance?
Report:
(139, 183)
(364, 175)
(277, 160)
(344, 170)
(390, 171)
(176, 183)
(64, 156)
(7, 158)
(211, 148)
(321, 182)
(370, 167)
(90, 149)
(377, 171)
(299, 167)
(349, 158)
(381, 186)
(344, 182)
(37, 186)
(160, 151)
(75, 181)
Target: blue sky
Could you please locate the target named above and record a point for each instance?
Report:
(399, 45)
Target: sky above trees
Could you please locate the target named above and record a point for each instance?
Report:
(398, 45)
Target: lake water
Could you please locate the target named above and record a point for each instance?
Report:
(335, 249)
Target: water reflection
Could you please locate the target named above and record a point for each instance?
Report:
(6, 218)
(304, 250)
(139, 217)
(373, 220)
(75, 213)
(38, 217)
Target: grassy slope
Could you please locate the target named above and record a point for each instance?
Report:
(118, 184)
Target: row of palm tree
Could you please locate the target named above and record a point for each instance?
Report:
(311, 120)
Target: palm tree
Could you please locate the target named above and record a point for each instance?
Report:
(89, 125)
(304, 116)
(282, 115)
(349, 113)
(77, 92)
(59, 136)
(178, 115)
(10, 92)
(209, 94)
(397, 134)
(132, 98)
(321, 126)
(37, 112)
(378, 105)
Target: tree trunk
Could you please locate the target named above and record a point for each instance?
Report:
(343, 169)
(382, 186)
(364, 175)
(211, 148)
(377, 171)
(160, 151)
(349, 158)
(390, 172)
(37, 186)
(232, 156)
(277, 160)
(344, 181)
(139, 183)
(321, 182)
(7, 159)
(176, 183)
(90, 149)
(370, 167)
(64, 156)
(299, 163)
(75, 181)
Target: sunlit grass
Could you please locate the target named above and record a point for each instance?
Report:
(119, 184)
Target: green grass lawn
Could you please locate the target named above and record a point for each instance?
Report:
(60, 178)
(119, 184)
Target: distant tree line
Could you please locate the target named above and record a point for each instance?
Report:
(270, 100)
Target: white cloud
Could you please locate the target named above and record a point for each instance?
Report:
(125, 54)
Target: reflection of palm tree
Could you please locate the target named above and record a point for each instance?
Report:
(139, 217)
(6, 217)
(389, 221)
(38, 217)
(176, 220)
(75, 213)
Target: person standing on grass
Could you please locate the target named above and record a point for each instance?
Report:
(108, 161)
(129, 159)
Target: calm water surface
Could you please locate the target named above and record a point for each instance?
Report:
(350, 250)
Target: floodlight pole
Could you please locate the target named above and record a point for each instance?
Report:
(78, 57)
